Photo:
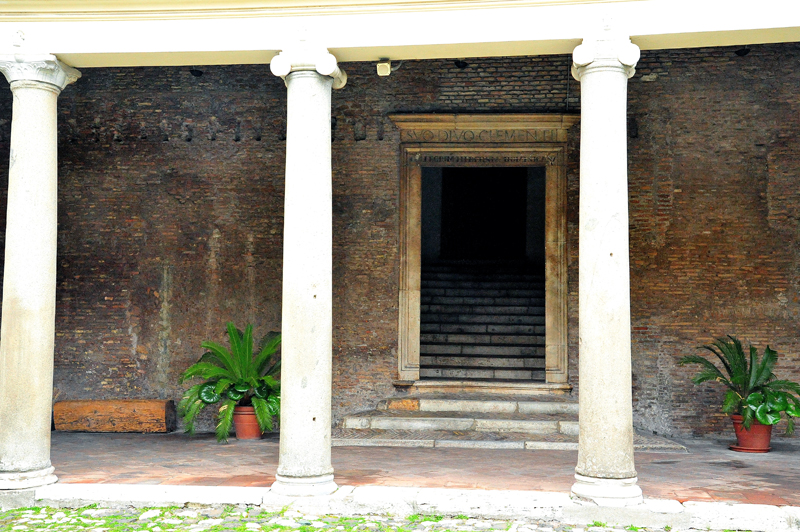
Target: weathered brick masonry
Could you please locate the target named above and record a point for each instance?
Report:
(170, 215)
(714, 175)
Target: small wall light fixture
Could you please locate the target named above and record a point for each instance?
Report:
(460, 63)
(384, 67)
(196, 72)
(741, 52)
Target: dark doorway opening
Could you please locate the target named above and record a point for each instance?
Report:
(482, 306)
(483, 213)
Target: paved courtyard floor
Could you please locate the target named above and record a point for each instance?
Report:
(708, 472)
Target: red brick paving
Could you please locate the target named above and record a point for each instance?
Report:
(709, 472)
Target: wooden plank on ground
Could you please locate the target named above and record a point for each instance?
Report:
(116, 415)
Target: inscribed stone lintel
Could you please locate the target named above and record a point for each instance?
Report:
(490, 129)
(447, 159)
(482, 135)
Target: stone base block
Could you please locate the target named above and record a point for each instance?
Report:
(13, 499)
(303, 486)
(608, 491)
(27, 479)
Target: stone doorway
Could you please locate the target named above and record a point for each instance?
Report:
(482, 293)
(484, 142)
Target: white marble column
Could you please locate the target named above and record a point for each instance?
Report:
(304, 466)
(29, 278)
(605, 472)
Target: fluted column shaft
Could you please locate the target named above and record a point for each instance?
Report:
(605, 471)
(29, 281)
(304, 466)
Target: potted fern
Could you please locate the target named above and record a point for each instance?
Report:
(242, 381)
(756, 398)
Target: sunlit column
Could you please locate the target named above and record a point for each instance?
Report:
(304, 466)
(29, 280)
(605, 472)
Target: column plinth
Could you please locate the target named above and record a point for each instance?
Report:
(27, 333)
(304, 466)
(605, 471)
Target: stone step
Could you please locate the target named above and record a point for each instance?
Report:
(484, 440)
(483, 388)
(481, 285)
(489, 301)
(493, 339)
(461, 373)
(484, 292)
(482, 350)
(521, 310)
(474, 362)
(478, 422)
(483, 403)
(502, 295)
(481, 268)
(537, 330)
(478, 265)
(480, 276)
(482, 319)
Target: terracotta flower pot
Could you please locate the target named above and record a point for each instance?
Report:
(245, 423)
(755, 440)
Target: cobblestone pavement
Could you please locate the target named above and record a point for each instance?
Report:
(254, 519)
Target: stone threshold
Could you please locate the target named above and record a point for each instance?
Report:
(535, 404)
(481, 387)
(485, 440)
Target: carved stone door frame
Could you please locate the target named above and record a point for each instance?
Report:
(429, 140)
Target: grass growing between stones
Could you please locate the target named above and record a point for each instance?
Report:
(93, 518)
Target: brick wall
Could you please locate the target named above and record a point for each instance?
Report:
(714, 210)
(170, 220)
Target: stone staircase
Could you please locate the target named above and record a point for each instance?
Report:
(482, 321)
(475, 421)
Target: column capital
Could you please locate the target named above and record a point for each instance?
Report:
(42, 68)
(608, 50)
(305, 56)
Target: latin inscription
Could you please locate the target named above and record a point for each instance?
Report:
(480, 135)
(491, 159)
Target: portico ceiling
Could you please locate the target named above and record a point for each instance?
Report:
(98, 33)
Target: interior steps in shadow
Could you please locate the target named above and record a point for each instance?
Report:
(482, 321)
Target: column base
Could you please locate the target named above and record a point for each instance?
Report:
(616, 492)
(304, 486)
(27, 479)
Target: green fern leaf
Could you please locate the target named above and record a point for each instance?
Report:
(235, 339)
(189, 396)
(205, 370)
(247, 352)
(225, 420)
(191, 414)
(732, 403)
(266, 353)
(222, 385)
(274, 403)
(708, 372)
(762, 373)
(263, 414)
(784, 385)
(721, 358)
(227, 360)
